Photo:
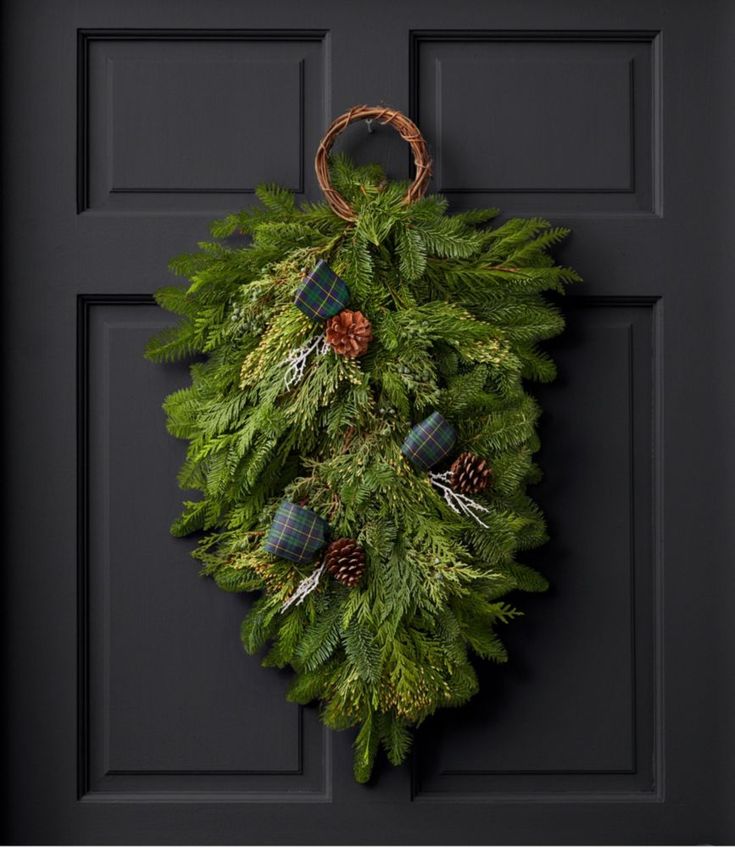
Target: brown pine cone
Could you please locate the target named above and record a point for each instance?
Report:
(471, 474)
(349, 333)
(345, 561)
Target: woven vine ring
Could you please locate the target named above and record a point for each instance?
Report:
(407, 130)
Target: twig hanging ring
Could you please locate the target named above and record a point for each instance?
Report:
(407, 130)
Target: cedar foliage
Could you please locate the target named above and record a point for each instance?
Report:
(458, 311)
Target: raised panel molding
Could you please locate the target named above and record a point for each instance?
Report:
(563, 122)
(148, 629)
(181, 120)
(576, 713)
(192, 93)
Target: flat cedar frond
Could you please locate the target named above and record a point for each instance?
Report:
(457, 312)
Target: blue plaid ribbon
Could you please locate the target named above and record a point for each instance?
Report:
(429, 442)
(296, 534)
(322, 293)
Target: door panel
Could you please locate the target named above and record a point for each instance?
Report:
(590, 727)
(139, 148)
(567, 121)
(161, 658)
(132, 714)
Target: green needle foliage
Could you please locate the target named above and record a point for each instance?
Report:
(458, 311)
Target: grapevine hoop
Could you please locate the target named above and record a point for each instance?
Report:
(407, 130)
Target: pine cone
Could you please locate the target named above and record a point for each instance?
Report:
(470, 474)
(345, 561)
(349, 333)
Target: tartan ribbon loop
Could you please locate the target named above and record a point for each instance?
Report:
(296, 534)
(322, 293)
(429, 441)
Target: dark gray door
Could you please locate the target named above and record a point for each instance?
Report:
(131, 713)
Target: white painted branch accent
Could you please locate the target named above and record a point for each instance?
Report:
(456, 501)
(307, 585)
(295, 362)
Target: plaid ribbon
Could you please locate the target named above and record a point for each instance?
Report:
(296, 534)
(429, 441)
(322, 293)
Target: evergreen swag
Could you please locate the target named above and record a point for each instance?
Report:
(457, 311)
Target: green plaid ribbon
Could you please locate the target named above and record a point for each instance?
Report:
(296, 534)
(429, 441)
(322, 293)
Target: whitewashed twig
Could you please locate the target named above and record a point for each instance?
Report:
(307, 585)
(456, 501)
(295, 362)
